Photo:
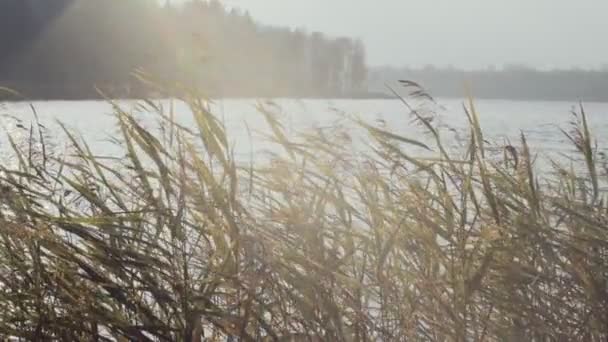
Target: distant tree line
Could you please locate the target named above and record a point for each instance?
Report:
(511, 82)
(66, 48)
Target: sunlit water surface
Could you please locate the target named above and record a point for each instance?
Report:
(502, 121)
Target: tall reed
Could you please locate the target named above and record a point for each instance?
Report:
(177, 241)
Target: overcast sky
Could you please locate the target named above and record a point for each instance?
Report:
(462, 33)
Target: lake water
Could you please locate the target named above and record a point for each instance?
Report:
(501, 120)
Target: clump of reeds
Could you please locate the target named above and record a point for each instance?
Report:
(178, 242)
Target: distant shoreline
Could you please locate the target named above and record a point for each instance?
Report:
(7, 97)
(20, 96)
(313, 98)
(511, 83)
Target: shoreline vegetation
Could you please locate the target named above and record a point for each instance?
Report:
(177, 241)
(65, 48)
